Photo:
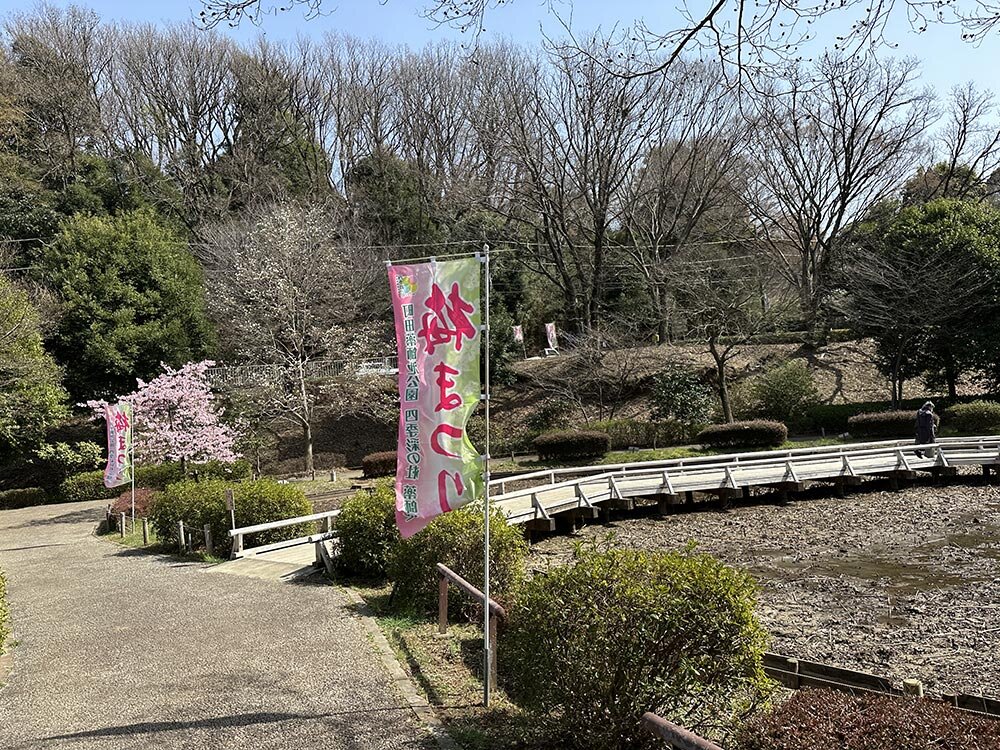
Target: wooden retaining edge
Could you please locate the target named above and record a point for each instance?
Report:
(798, 673)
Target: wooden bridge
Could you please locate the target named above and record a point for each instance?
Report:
(534, 499)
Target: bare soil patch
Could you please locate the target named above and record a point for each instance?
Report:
(901, 584)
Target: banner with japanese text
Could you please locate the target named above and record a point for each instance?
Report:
(438, 334)
(119, 469)
(550, 335)
(519, 334)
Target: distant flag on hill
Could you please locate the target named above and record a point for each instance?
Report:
(437, 311)
(120, 455)
(550, 334)
(519, 334)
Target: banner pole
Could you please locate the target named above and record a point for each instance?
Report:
(132, 451)
(487, 646)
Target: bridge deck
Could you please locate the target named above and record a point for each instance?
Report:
(287, 564)
(589, 487)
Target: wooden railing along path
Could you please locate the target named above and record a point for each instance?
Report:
(238, 535)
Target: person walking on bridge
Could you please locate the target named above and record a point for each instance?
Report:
(926, 426)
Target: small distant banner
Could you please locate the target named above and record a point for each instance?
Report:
(119, 469)
(438, 337)
(550, 334)
(519, 334)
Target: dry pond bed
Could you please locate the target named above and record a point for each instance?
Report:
(901, 584)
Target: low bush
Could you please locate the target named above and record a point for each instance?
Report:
(592, 645)
(628, 433)
(757, 433)
(976, 416)
(4, 613)
(679, 394)
(88, 485)
(888, 424)
(381, 464)
(828, 720)
(569, 445)
(144, 498)
(456, 539)
(58, 461)
(784, 394)
(23, 498)
(257, 501)
(834, 417)
(366, 530)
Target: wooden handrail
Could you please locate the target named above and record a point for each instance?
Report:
(284, 522)
(675, 735)
(446, 575)
(446, 572)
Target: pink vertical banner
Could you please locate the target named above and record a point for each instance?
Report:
(437, 311)
(550, 335)
(119, 468)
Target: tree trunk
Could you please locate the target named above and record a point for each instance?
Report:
(308, 437)
(662, 325)
(720, 370)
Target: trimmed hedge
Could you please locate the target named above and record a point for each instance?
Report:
(628, 433)
(589, 647)
(381, 464)
(23, 498)
(89, 485)
(570, 445)
(887, 424)
(756, 433)
(257, 501)
(456, 539)
(829, 720)
(4, 613)
(366, 531)
(834, 417)
(976, 416)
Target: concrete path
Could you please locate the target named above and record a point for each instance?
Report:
(118, 649)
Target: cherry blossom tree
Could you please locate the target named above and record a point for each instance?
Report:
(177, 418)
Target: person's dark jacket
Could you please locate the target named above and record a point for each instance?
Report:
(926, 429)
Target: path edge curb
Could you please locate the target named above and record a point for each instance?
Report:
(421, 708)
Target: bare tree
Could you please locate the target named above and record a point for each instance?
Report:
(842, 138)
(720, 295)
(576, 135)
(905, 296)
(689, 188)
(748, 36)
(288, 288)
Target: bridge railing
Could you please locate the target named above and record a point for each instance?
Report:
(238, 534)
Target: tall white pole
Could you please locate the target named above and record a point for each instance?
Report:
(487, 646)
(132, 451)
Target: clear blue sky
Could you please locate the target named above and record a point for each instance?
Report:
(946, 59)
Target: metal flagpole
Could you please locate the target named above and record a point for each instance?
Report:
(132, 451)
(487, 646)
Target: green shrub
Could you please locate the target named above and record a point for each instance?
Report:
(23, 498)
(366, 531)
(4, 613)
(456, 539)
(976, 416)
(551, 414)
(257, 501)
(592, 645)
(60, 460)
(886, 424)
(679, 394)
(834, 417)
(628, 433)
(381, 464)
(753, 434)
(784, 393)
(832, 720)
(86, 486)
(569, 445)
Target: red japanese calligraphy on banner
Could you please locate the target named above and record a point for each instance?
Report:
(437, 312)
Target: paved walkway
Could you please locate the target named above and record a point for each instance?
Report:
(125, 650)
